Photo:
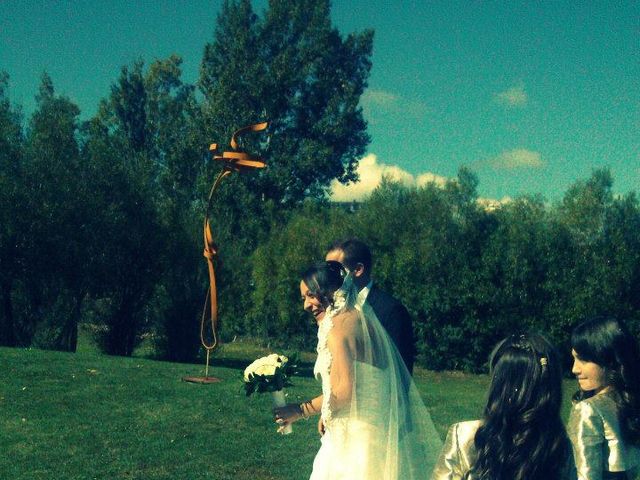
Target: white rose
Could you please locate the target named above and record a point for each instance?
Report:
(266, 370)
(273, 359)
(265, 365)
(276, 359)
(251, 369)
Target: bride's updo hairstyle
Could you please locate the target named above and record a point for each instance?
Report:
(323, 279)
(607, 343)
(522, 436)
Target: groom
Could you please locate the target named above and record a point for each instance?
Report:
(356, 257)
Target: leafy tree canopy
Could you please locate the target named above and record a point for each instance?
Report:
(293, 68)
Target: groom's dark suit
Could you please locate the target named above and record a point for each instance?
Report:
(396, 320)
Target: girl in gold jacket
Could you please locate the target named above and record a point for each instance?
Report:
(604, 426)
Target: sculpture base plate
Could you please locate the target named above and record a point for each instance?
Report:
(201, 379)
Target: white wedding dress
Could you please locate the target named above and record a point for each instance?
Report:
(386, 431)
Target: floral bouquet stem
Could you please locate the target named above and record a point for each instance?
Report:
(279, 401)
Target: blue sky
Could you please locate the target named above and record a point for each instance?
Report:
(530, 95)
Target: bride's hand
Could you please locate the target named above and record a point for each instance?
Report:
(320, 426)
(287, 415)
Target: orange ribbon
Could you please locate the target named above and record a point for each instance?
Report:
(233, 161)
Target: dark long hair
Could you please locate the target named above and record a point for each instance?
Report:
(323, 279)
(607, 342)
(522, 435)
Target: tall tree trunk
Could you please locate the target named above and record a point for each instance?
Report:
(68, 339)
(123, 328)
(7, 326)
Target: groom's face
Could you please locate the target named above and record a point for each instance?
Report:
(358, 272)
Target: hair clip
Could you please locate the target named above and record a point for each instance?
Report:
(544, 361)
(521, 342)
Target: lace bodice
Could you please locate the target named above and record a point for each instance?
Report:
(322, 367)
(343, 299)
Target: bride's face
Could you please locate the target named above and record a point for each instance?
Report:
(311, 303)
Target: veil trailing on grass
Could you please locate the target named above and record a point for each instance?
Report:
(384, 431)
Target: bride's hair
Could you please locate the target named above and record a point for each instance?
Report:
(323, 279)
(607, 343)
(522, 435)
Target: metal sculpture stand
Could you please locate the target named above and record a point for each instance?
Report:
(234, 161)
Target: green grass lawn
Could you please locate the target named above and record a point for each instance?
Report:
(90, 416)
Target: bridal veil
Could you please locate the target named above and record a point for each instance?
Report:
(385, 432)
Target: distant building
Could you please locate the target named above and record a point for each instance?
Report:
(350, 207)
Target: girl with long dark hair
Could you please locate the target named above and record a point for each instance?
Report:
(604, 425)
(521, 436)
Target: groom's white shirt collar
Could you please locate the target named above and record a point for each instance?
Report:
(363, 294)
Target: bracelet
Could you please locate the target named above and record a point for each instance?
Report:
(306, 409)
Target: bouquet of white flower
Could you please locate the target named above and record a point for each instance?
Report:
(270, 374)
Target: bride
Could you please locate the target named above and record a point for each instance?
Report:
(373, 422)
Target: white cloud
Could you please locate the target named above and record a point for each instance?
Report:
(380, 103)
(513, 97)
(517, 158)
(491, 204)
(371, 173)
(379, 98)
(425, 178)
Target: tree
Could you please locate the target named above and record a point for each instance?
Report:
(583, 213)
(426, 243)
(616, 283)
(56, 283)
(11, 152)
(515, 266)
(173, 118)
(276, 311)
(622, 235)
(126, 269)
(145, 149)
(292, 68)
(584, 205)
